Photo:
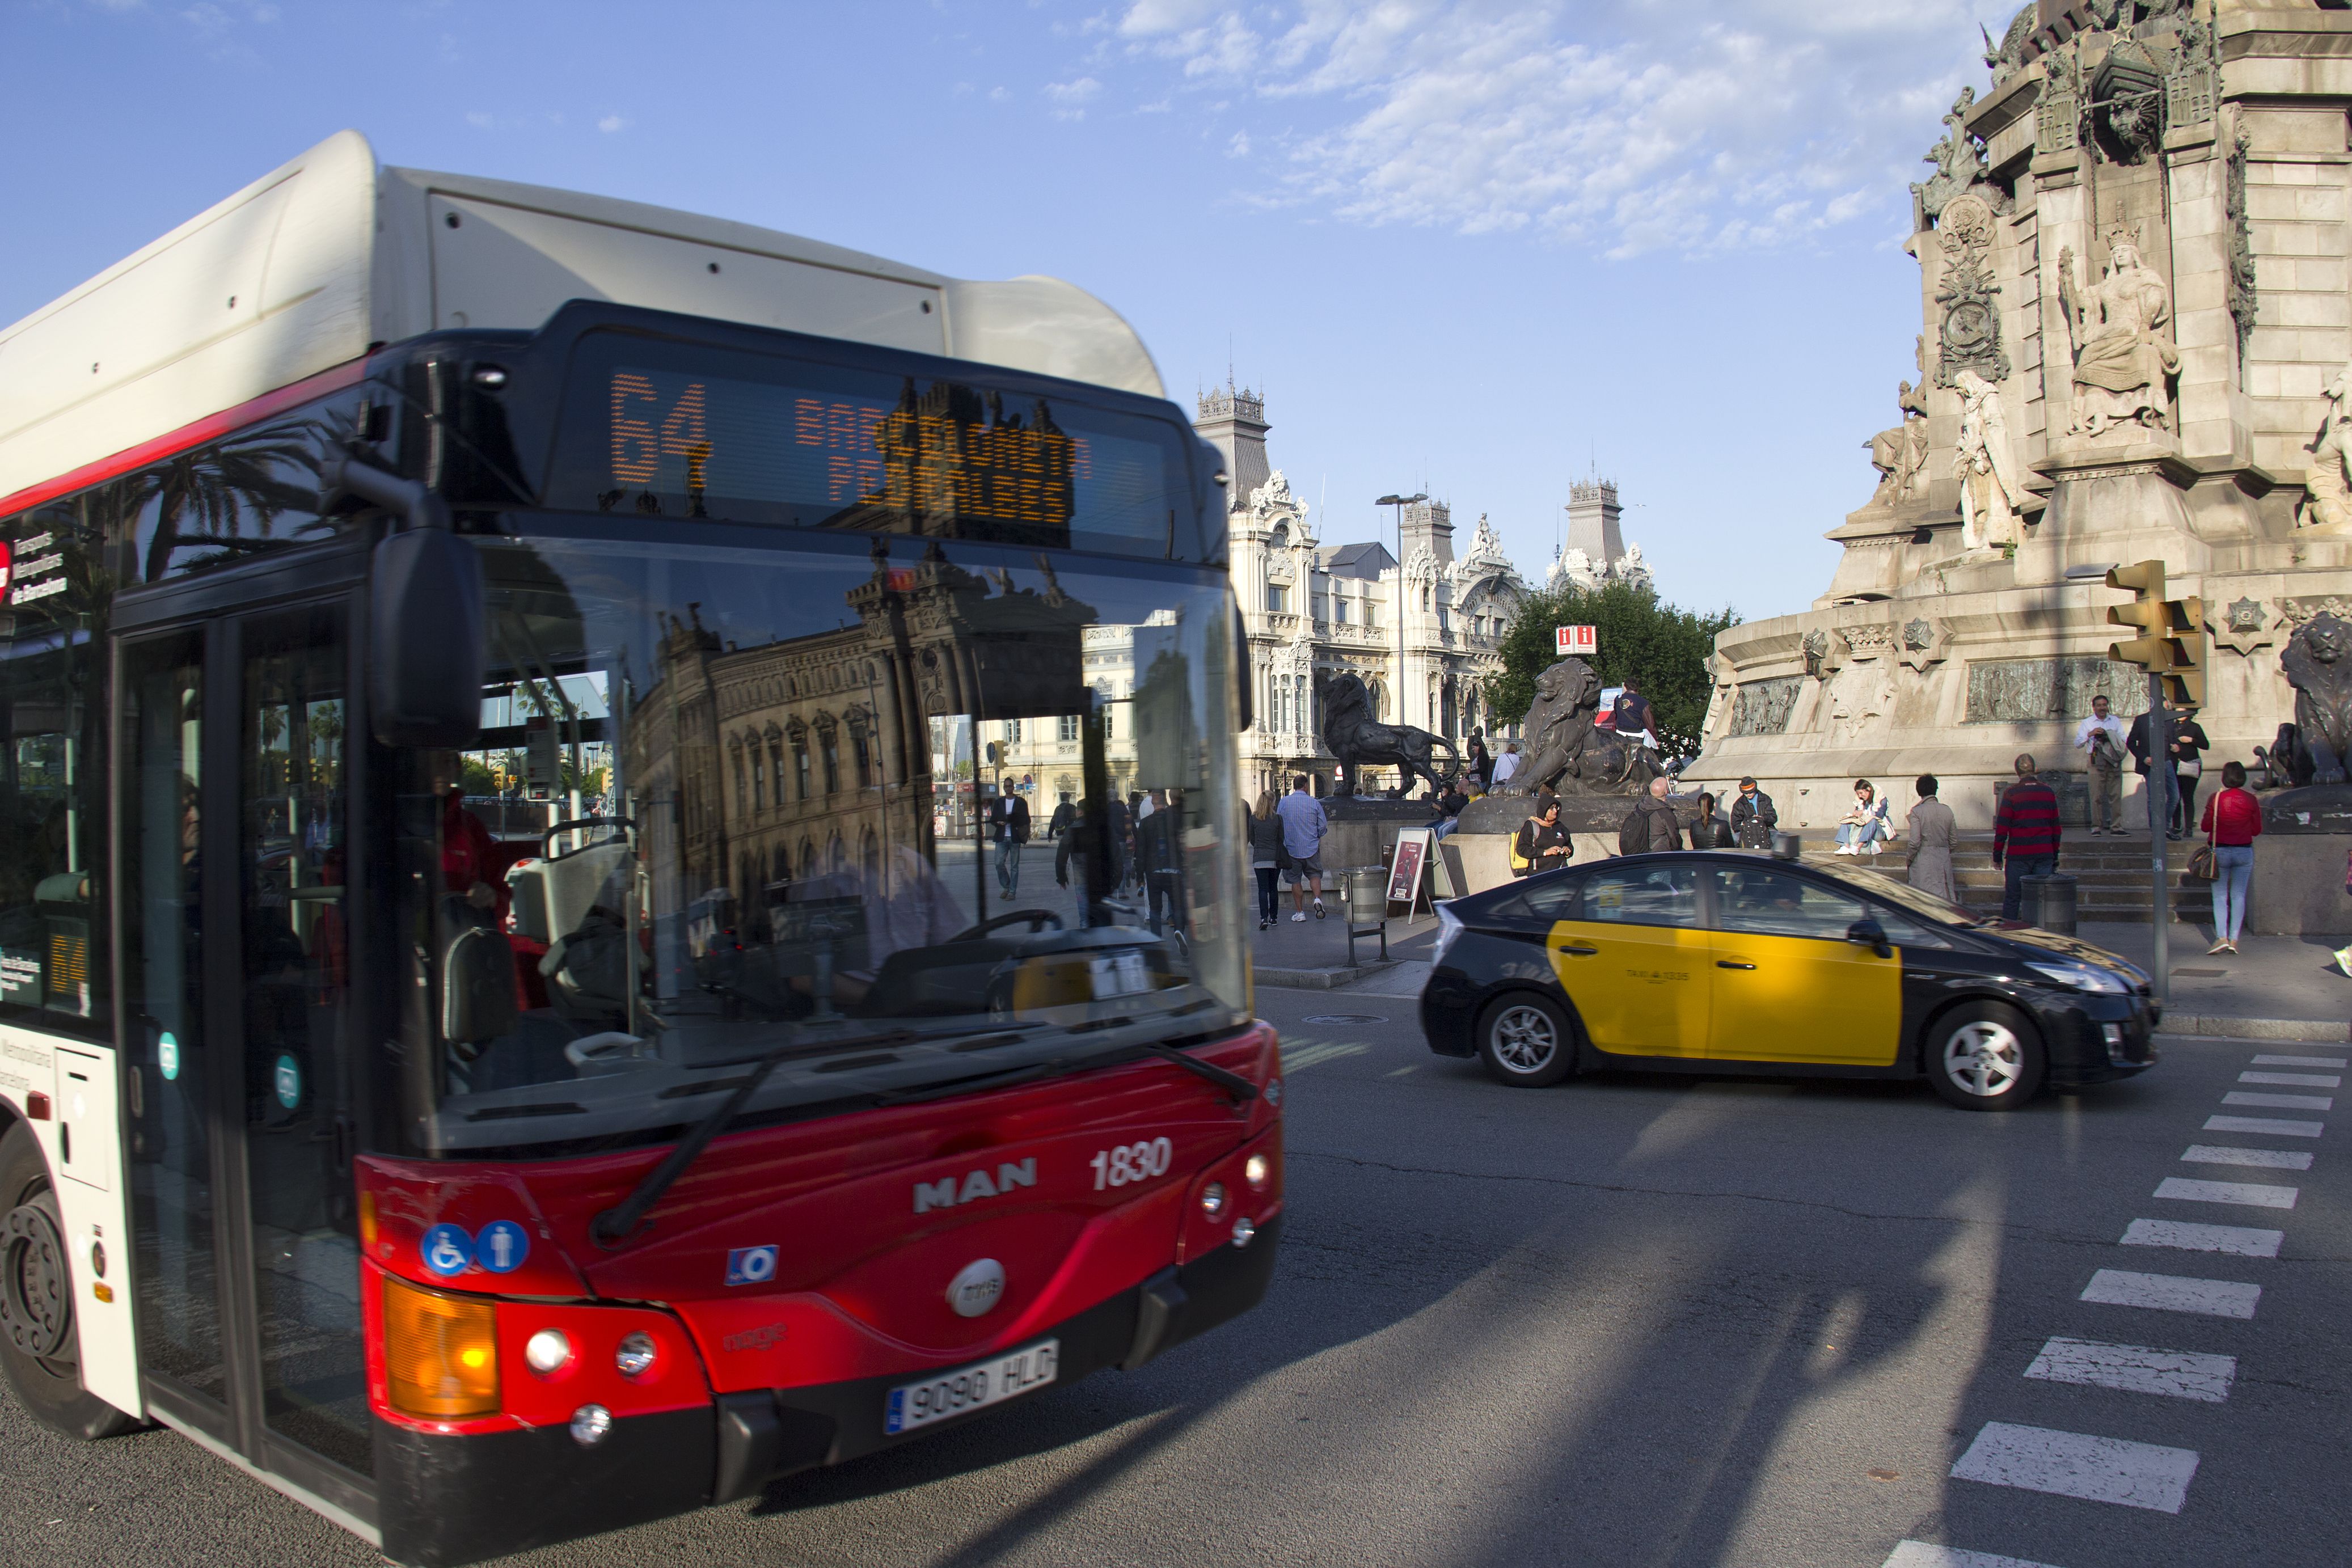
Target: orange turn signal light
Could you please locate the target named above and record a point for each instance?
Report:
(440, 1353)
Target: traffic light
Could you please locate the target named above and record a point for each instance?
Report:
(2171, 641)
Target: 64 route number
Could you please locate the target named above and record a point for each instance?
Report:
(1132, 1162)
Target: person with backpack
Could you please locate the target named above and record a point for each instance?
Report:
(1633, 715)
(1753, 817)
(1652, 825)
(2101, 738)
(2232, 820)
(1542, 843)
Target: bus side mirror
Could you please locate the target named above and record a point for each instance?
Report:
(426, 640)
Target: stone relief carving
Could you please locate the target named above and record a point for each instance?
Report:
(1990, 487)
(1925, 642)
(2243, 627)
(1969, 338)
(2035, 691)
(2121, 358)
(2243, 295)
(2327, 481)
(1762, 707)
(1817, 655)
(2127, 98)
(2319, 665)
(1860, 694)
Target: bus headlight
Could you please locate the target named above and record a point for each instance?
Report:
(440, 1353)
(635, 1356)
(1256, 1170)
(1212, 1199)
(547, 1351)
(589, 1424)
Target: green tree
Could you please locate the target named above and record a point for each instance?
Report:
(1663, 648)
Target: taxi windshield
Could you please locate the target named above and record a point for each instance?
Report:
(1927, 905)
(902, 814)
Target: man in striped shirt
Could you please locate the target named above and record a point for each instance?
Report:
(2024, 834)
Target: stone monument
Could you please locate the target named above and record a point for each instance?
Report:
(2137, 343)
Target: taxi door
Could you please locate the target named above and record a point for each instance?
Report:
(1788, 986)
(1631, 952)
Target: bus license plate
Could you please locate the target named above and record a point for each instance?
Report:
(1121, 975)
(969, 1389)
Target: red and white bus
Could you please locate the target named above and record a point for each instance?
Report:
(492, 1039)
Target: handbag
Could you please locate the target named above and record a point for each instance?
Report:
(2200, 866)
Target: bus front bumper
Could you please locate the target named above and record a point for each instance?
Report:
(452, 1499)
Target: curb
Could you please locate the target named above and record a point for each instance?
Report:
(2329, 1032)
(1315, 980)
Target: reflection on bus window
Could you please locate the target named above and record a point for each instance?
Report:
(734, 804)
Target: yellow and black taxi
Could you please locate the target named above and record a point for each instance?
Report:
(1733, 961)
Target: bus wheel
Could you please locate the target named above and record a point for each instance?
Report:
(37, 1348)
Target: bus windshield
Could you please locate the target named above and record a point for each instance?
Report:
(903, 813)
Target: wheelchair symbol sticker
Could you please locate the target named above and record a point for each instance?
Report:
(447, 1250)
(501, 1247)
(751, 1265)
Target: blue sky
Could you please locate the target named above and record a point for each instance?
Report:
(1471, 247)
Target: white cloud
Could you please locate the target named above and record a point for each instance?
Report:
(1073, 96)
(1239, 146)
(481, 120)
(612, 122)
(1629, 125)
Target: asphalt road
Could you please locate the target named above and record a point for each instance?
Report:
(1629, 1320)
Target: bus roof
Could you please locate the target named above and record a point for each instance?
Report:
(332, 254)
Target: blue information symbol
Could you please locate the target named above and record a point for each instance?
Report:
(751, 1265)
(286, 1078)
(167, 1055)
(447, 1249)
(501, 1247)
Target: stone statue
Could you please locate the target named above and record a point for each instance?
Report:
(1566, 753)
(1958, 158)
(1355, 739)
(1631, 569)
(1900, 455)
(2007, 58)
(1989, 490)
(2120, 356)
(2329, 481)
(2318, 665)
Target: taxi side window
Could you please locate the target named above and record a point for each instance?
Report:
(1552, 897)
(1643, 896)
(1768, 902)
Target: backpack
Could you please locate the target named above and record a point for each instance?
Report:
(1520, 863)
(1626, 831)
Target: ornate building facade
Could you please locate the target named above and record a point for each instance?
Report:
(1423, 634)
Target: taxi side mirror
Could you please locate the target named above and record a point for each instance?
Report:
(1870, 934)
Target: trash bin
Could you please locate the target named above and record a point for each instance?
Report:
(1365, 890)
(2049, 902)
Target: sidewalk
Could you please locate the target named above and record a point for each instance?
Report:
(2276, 987)
(1314, 956)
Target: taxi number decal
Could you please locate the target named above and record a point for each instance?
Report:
(1133, 1163)
(1657, 975)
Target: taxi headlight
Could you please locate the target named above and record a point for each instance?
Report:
(2084, 977)
(1449, 926)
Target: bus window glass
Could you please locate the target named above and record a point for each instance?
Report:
(612, 914)
(52, 929)
(245, 495)
(652, 429)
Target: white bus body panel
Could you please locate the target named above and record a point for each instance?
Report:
(80, 1081)
(303, 269)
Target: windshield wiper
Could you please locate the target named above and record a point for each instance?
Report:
(1240, 1088)
(617, 1224)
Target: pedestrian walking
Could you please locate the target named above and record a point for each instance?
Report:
(1542, 843)
(1865, 826)
(1063, 815)
(2024, 834)
(2232, 820)
(2188, 744)
(1075, 855)
(2153, 762)
(1652, 825)
(2101, 740)
(1753, 817)
(1159, 846)
(1303, 827)
(1710, 831)
(1008, 829)
(1266, 857)
(1930, 828)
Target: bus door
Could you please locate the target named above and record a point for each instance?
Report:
(235, 741)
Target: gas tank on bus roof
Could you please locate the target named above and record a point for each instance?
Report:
(309, 266)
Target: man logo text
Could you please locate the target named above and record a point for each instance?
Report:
(946, 1193)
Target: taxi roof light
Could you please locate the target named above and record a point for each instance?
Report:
(440, 1353)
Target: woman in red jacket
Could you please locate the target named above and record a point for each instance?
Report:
(2232, 818)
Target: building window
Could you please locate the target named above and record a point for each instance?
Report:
(1338, 611)
(759, 778)
(1012, 732)
(864, 748)
(743, 789)
(1066, 728)
(800, 772)
(1277, 598)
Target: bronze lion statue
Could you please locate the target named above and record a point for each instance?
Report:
(1567, 752)
(2318, 665)
(1358, 739)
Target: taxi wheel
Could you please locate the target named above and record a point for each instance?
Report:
(1985, 1057)
(1526, 1040)
(37, 1347)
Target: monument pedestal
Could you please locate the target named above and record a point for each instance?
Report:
(1363, 830)
(2300, 863)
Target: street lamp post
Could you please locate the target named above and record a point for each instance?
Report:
(1399, 503)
